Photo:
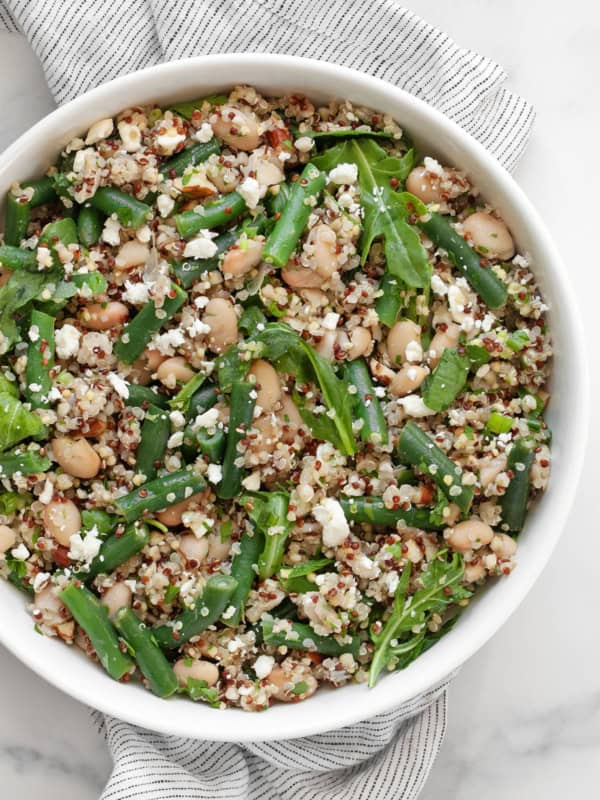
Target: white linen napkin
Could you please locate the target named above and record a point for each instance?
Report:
(83, 44)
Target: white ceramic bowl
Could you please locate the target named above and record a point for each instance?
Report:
(66, 667)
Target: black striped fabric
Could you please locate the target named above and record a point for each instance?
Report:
(83, 43)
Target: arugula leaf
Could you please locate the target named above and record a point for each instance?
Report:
(7, 386)
(403, 635)
(268, 511)
(16, 422)
(20, 290)
(446, 381)
(298, 578)
(181, 401)
(13, 501)
(347, 133)
(200, 690)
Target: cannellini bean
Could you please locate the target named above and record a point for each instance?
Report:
(443, 339)
(323, 241)
(268, 388)
(220, 315)
(239, 260)
(503, 545)
(116, 597)
(407, 380)
(289, 411)
(268, 173)
(325, 346)
(470, 535)
(361, 343)
(489, 235)
(237, 127)
(474, 572)
(174, 370)
(172, 515)
(278, 678)
(61, 520)
(383, 374)
(199, 186)
(424, 185)
(76, 456)
(132, 254)
(402, 335)
(218, 550)
(192, 548)
(154, 358)
(46, 601)
(142, 369)
(490, 469)
(103, 316)
(7, 538)
(198, 670)
(301, 277)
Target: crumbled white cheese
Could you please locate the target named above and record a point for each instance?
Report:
(175, 440)
(335, 525)
(414, 351)
(204, 133)
(433, 167)
(66, 340)
(34, 333)
(215, 473)
(43, 257)
(118, 384)
(136, 293)
(201, 247)
(252, 482)
(47, 492)
(85, 548)
(250, 191)
(166, 342)
(263, 666)
(21, 553)
(111, 231)
(414, 406)
(177, 419)
(165, 204)
(330, 321)
(438, 286)
(344, 174)
(207, 420)
(304, 144)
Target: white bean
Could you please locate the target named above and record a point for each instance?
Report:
(198, 670)
(217, 549)
(503, 545)
(220, 315)
(470, 535)
(474, 572)
(240, 260)
(132, 254)
(289, 411)
(7, 538)
(489, 235)
(490, 469)
(46, 601)
(325, 346)
(173, 371)
(61, 520)
(400, 336)
(323, 242)
(192, 548)
(443, 339)
(76, 456)
(268, 388)
(361, 343)
(237, 127)
(116, 597)
(172, 515)
(407, 380)
(301, 277)
(424, 185)
(103, 316)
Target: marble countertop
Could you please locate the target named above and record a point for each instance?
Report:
(525, 711)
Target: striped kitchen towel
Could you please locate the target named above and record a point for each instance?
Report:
(83, 44)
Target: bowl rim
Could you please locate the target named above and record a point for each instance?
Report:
(248, 728)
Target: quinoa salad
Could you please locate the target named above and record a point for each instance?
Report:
(272, 386)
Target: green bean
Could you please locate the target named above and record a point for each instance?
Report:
(29, 462)
(162, 492)
(367, 405)
(40, 359)
(206, 611)
(131, 213)
(137, 333)
(192, 269)
(388, 305)
(275, 203)
(62, 230)
(514, 500)
(289, 227)
(116, 549)
(142, 396)
(195, 154)
(43, 191)
(16, 221)
(89, 226)
(483, 279)
(201, 401)
(92, 616)
(148, 655)
(418, 449)
(211, 445)
(17, 258)
(243, 569)
(299, 636)
(154, 436)
(186, 109)
(183, 398)
(243, 400)
(276, 527)
(373, 511)
(212, 215)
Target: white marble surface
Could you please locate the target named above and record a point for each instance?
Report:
(525, 711)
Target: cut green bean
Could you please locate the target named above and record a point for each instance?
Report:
(142, 396)
(16, 258)
(43, 191)
(514, 501)
(367, 406)
(206, 611)
(29, 462)
(154, 436)
(212, 215)
(275, 203)
(195, 154)
(211, 445)
(243, 569)
(290, 226)
(243, 400)
(148, 655)
(89, 226)
(92, 616)
(137, 333)
(162, 492)
(299, 636)
(483, 279)
(18, 212)
(40, 359)
(418, 449)
(182, 399)
(130, 212)
(117, 549)
(373, 511)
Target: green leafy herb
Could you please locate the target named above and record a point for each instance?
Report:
(268, 511)
(13, 501)
(446, 381)
(300, 688)
(347, 133)
(517, 340)
(498, 423)
(16, 422)
(182, 399)
(299, 578)
(200, 690)
(171, 593)
(15, 296)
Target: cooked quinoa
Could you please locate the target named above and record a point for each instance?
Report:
(272, 387)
